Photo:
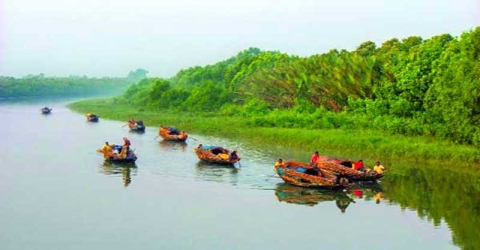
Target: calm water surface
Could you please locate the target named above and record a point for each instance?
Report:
(57, 193)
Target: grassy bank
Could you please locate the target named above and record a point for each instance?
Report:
(367, 145)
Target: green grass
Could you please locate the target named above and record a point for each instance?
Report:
(392, 150)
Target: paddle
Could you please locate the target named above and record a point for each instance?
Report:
(272, 175)
(239, 164)
(192, 138)
(155, 137)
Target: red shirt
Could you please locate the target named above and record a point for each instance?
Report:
(314, 158)
(357, 165)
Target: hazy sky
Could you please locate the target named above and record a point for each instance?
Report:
(100, 38)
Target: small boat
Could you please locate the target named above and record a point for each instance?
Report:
(304, 175)
(46, 110)
(215, 154)
(336, 166)
(172, 134)
(136, 126)
(119, 156)
(92, 117)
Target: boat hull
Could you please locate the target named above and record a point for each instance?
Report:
(216, 155)
(92, 118)
(171, 134)
(46, 111)
(304, 175)
(335, 167)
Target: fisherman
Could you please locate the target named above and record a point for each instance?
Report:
(233, 155)
(107, 150)
(314, 159)
(279, 163)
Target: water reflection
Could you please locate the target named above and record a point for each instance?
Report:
(173, 145)
(367, 191)
(342, 198)
(133, 131)
(124, 169)
(311, 196)
(440, 195)
(217, 172)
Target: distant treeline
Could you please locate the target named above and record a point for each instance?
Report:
(39, 85)
(413, 86)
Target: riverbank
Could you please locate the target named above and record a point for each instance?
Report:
(370, 146)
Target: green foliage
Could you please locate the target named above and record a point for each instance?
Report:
(410, 86)
(138, 74)
(39, 85)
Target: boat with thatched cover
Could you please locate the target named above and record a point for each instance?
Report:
(304, 175)
(344, 167)
(136, 126)
(92, 117)
(215, 154)
(172, 134)
(46, 110)
(117, 153)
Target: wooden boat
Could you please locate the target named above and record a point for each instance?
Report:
(136, 126)
(92, 117)
(172, 134)
(46, 110)
(120, 156)
(304, 175)
(336, 166)
(215, 154)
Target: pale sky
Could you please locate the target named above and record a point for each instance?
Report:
(100, 38)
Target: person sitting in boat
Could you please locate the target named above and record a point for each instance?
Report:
(342, 178)
(131, 121)
(107, 150)
(378, 168)
(172, 131)
(358, 166)
(233, 155)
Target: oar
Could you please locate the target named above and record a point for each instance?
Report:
(124, 125)
(239, 164)
(192, 138)
(155, 137)
(272, 175)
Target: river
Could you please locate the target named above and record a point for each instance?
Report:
(57, 193)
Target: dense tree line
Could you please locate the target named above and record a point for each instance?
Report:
(39, 85)
(412, 86)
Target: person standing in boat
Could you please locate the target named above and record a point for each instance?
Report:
(125, 148)
(314, 159)
(126, 142)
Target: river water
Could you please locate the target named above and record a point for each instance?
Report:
(56, 192)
